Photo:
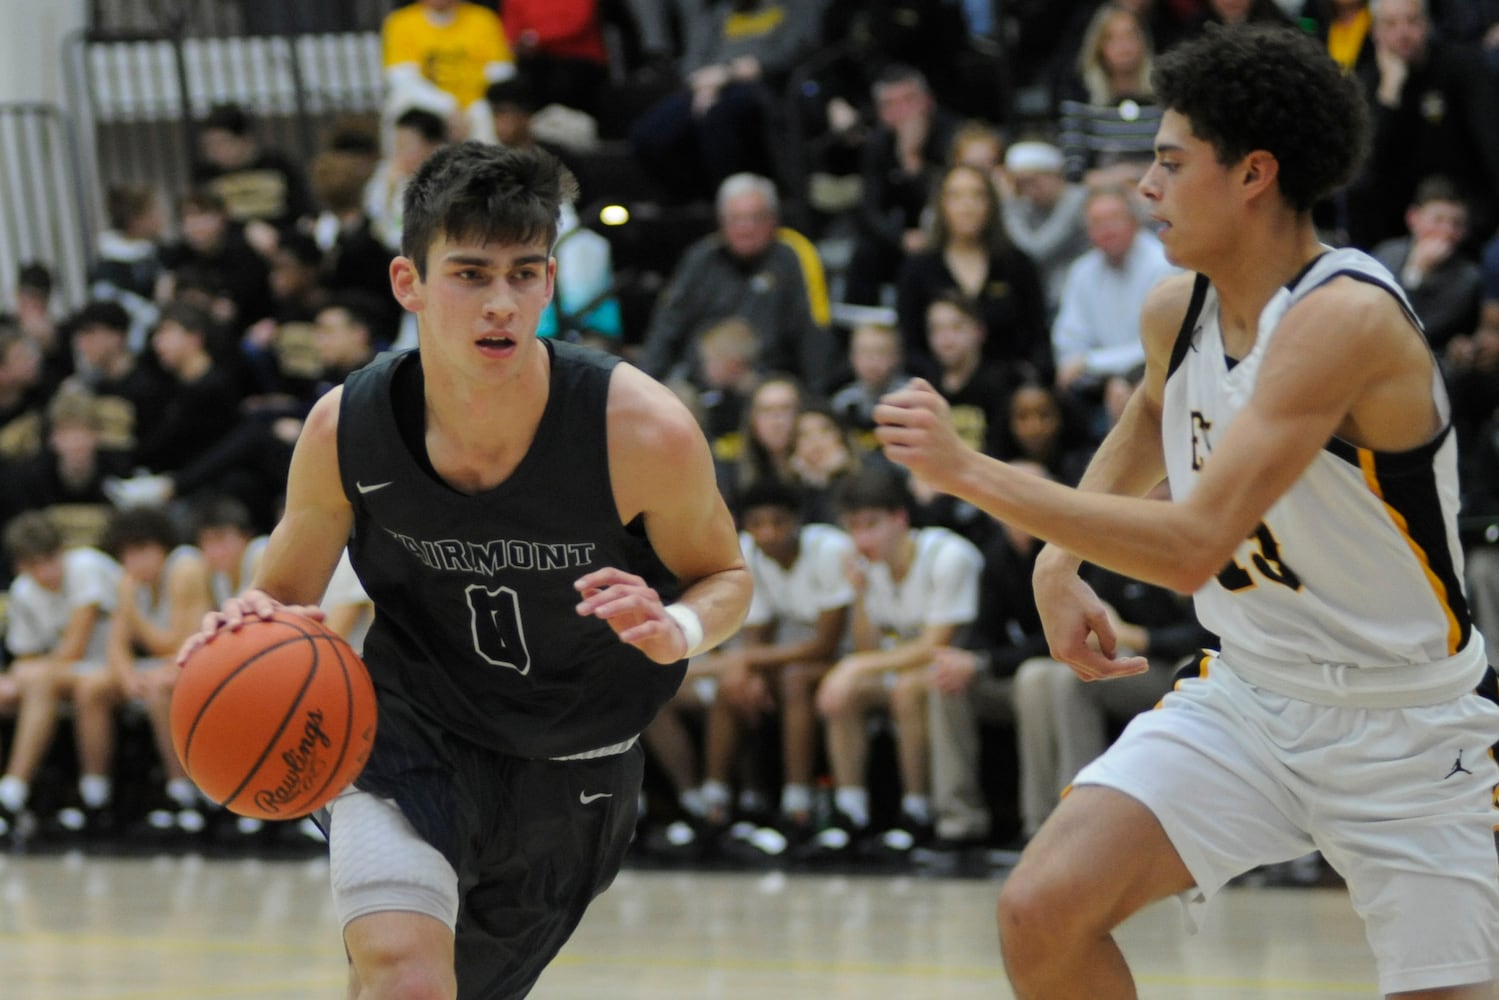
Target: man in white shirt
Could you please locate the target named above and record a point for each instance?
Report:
(1097, 330)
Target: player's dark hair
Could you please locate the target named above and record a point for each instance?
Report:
(1250, 87)
(137, 526)
(477, 191)
(873, 487)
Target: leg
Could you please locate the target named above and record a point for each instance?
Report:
(160, 682)
(1483, 592)
(798, 686)
(1035, 733)
(397, 898)
(41, 685)
(959, 806)
(1079, 725)
(400, 956)
(1099, 858)
(908, 710)
(96, 696)
(669, 741)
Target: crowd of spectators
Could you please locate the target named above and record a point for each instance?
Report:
(876, 214)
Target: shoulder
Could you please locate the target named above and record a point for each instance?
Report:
(647, 417)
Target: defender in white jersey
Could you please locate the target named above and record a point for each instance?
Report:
(1291, 397)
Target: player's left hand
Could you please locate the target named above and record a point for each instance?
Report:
(915, 429)
(633, 609)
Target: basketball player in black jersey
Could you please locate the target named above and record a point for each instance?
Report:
(540, 531)
(1300, 418)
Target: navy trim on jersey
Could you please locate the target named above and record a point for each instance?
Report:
(1189, 323)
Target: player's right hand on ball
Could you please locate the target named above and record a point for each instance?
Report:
(233, 614)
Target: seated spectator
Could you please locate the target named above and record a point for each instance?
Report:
(876, 359)
(214, 253)
(979, 145)
(726, 354)
(766, 439)
(1344, 25)
(354, 258)
(1239, 12)
(970, 255)
(56, 633)
(899, 166)
(738, 57)
(127, 394)
(794, 631)
(128, 268)
(163, 596)
(226, 535)
(256, 184)
(914, 589)
(975, 389)
(972, 681)
(38, 320)
(439, 55)
(66, 479)
(1109, 114)
(1471, 363)
(201, 405)
(1044, 214)
(824, 453)
(1444, 287)
(559, 46)
(417, 135)
(22, 395)
(744, 269)
(1097, 330)
(1432, 103)
(1043, 426)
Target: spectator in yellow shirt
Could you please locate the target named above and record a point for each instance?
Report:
(440, 55)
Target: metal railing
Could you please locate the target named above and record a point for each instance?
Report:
(45, 213)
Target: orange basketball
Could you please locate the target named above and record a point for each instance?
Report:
(275, 719)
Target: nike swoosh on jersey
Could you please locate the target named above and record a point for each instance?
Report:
(371, 487)
(585, 798)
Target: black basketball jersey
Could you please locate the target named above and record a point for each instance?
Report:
(476, 623)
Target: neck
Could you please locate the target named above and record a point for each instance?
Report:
(1261, 263)
(900, 560)
(959, 372)
(482, 418)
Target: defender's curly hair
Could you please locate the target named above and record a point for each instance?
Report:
(1245, 88)
(474, 190)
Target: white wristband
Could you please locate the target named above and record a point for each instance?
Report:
(691, 626)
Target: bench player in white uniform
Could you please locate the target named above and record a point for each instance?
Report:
(1302, 420)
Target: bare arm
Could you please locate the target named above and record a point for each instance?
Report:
(188, 593)
(662, 469)
(820, 647)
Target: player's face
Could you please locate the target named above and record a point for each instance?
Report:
(1189, 194)
(479, 304)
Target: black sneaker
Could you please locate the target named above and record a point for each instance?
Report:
(894, 846)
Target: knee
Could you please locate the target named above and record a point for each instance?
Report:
(908, 699)
(1028, 917)
(407, 981)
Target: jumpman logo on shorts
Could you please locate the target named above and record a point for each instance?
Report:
(1457, 767)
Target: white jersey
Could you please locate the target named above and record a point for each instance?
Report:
(224, 587)
(36, 616)
(155, 605)
(1349, 591)
(816, 582)
(941, 587)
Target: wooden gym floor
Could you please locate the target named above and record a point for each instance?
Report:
(81, 927)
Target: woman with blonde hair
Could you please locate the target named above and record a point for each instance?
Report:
(1108, 111)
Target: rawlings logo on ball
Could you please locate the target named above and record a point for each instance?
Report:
(303, 765)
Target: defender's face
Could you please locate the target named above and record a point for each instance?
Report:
(479, 304)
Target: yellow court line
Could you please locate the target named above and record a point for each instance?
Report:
(122, 942)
